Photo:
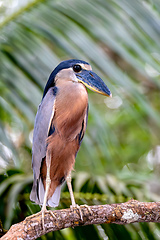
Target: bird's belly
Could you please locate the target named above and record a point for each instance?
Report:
(62, 161)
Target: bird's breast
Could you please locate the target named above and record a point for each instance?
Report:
(70, 108)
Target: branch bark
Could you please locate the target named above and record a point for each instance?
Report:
(121, 213)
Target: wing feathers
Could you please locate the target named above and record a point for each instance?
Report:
(43, 121)
(54, 200)
(42, 125)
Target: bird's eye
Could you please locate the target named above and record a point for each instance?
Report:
(77, 68)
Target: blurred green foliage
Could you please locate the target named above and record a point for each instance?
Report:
(120, 155)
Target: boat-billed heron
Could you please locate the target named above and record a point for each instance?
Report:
(60, 125)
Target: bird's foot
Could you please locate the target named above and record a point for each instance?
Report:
(76, 206)
(43, 211)
(72, 207)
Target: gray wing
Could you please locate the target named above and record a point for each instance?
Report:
(43, 120)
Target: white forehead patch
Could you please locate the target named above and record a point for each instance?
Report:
(85, 66)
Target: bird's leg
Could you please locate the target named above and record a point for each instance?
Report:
(70, 189)
(48, 183)
(74, 205)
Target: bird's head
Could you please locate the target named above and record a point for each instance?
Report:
(78, 71)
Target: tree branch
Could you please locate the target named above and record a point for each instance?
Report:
(121, 213)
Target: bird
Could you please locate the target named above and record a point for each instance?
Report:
(59, 128)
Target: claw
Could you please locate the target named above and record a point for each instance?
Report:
(79, 209)
(43, 215)
(89, 209)
(33, 215)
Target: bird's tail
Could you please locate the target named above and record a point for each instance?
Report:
(37, 194)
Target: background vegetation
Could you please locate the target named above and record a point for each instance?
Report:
(120, 155)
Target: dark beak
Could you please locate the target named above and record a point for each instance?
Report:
(93, 82)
